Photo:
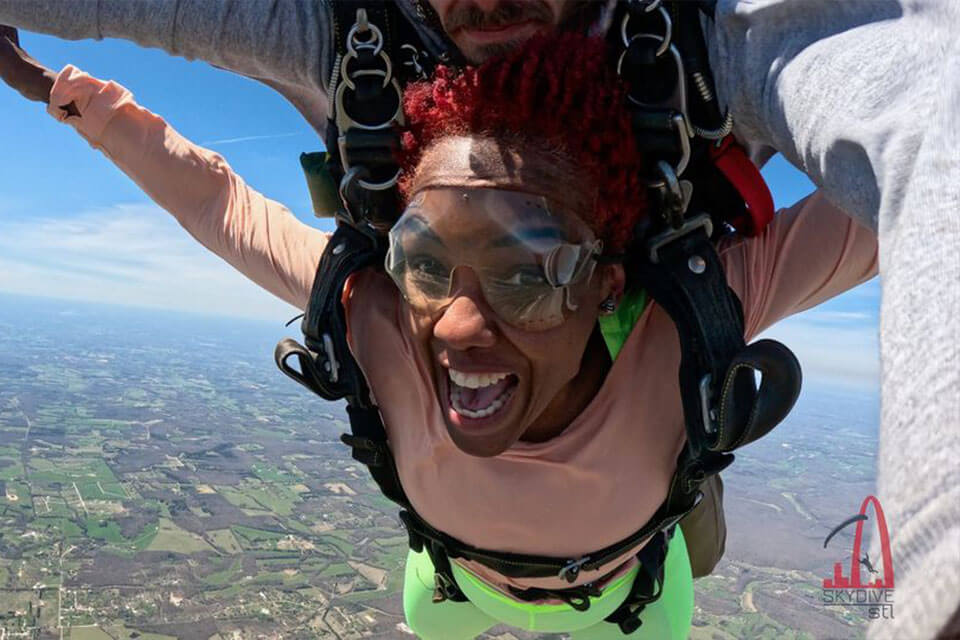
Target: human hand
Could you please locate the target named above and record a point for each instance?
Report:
(20, 71)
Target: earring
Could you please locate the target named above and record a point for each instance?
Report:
(608, 306)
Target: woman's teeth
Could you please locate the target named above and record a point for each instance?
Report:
(460, 382)
(473, 380)
(482, 413)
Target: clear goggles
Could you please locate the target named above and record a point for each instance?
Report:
(533, 265)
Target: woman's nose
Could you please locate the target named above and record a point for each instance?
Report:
(467, 321)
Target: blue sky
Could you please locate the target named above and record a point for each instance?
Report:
(72, 226)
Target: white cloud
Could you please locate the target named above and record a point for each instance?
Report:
(225, 141)
(845, 353)
(127, 254)
(138, 255)
(838, 316)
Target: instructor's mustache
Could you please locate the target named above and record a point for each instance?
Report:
(470, 16)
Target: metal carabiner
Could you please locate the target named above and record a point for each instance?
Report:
(362, 25)
(345, 120)
(414, 61)
(667, 28)
(347, 76)
(571, 570)
(678, 99)
(680, 124)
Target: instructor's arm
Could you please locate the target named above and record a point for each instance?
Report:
(283, 41)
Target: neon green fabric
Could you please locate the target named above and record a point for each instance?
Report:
(617, 327)
(666, 619)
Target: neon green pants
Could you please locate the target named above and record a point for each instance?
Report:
(666, 619)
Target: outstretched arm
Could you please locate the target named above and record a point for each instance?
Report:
(256, 235)
(282, 42)
(810, 253)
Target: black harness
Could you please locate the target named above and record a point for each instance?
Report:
(661, 54)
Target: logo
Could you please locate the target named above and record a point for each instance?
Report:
(865, 586)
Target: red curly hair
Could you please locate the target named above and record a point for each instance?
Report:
(555, 92)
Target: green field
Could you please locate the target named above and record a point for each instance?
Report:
(104, 530)
(170, 537)
(255, 495)
(114, 633)
(224, 540)
(338, 569)
(10, 468)
(238, 498)
(146, 537)
(226, 576)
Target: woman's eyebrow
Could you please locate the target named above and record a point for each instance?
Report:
(518, 237)
(423, 229)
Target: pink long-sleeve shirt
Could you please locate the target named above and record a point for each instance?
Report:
(598, 481)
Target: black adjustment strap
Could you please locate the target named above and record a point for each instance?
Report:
(370, 447)
(647, 586)
(747, 414)
(369, 452)
(683, 274)
(416, 541)
(324, 323)
(577, 597)
(372, 149)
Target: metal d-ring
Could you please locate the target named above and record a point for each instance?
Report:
(363, 26)
(669, 180)
(678, 100)
(680, 124)
(667, 29)
(345, 121)
(347, 76)
(352, 177)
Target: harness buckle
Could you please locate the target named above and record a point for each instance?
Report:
(330, 365)
(659, 241)
(444, 588)
(709, 413)
(571, 570)
(676, 193)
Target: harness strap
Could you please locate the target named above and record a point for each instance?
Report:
(647, 586)
(326, 367)
(517, 565)
(577, 597)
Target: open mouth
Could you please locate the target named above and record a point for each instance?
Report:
(483, 396)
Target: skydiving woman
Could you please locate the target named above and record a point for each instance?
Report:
(515, 422)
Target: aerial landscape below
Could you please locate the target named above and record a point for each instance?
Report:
(160, 479)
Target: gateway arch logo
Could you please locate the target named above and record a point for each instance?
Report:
(865, 585)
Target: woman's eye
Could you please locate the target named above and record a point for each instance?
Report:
(427, 267)
(526, 277)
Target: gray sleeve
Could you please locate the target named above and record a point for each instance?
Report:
(833, 85)
(283, 41)
(864, 96)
